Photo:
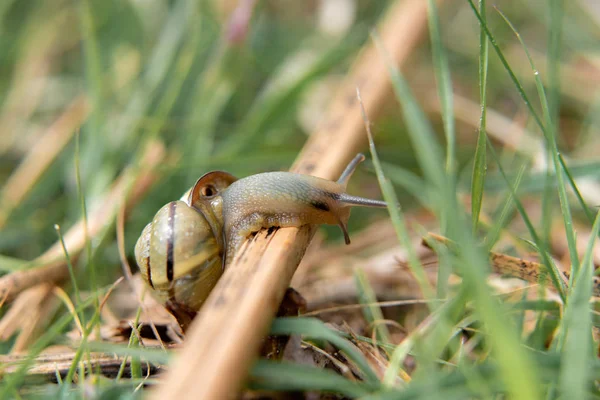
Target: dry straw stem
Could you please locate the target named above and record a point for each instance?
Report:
(41, 155)
(53, 267)
(225, 337)
(529, 271)
(47, 366)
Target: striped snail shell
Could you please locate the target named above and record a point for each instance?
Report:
(180, 252)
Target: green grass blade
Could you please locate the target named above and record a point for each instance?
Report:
(506, 65)
(270, 375)
(371, 312)
(480, 163)
(445, 94)
(554, 56)
(576, 328)
(93, 276)
(517, 370)
(550, 135)
(315, 329)
(427, 149)
(582, 203)
(478, 175)
(397, 217)
(534, 181)
(444, 84)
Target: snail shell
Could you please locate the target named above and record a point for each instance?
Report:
(180, 252)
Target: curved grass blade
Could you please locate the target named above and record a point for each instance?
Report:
(313, 328)
(272, 375)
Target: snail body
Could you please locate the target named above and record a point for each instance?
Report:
(193, 240)
(284, 199)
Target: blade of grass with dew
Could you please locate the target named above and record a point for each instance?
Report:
(551, 140)
(396, 215)
(506, 65)
(270, 375)
(550, 267)
(517, 369)
(550, 135)
(554, 56)
(445, 94)
(553, 82)
(371, 311)
(576, 328)
(316, 329)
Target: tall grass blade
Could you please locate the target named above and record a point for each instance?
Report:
(576, 326)
(550, 135)
(480, 163)
(396, 215)
(517, 370)
(445, 94)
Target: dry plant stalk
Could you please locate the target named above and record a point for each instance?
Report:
(41, 155)
(53, 266)
(47, 366)
(529, 271)
(224, 339)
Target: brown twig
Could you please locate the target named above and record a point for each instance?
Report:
(529, 271)
(225, 337)
(46, 367)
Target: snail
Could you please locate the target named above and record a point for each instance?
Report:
(184, 250)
